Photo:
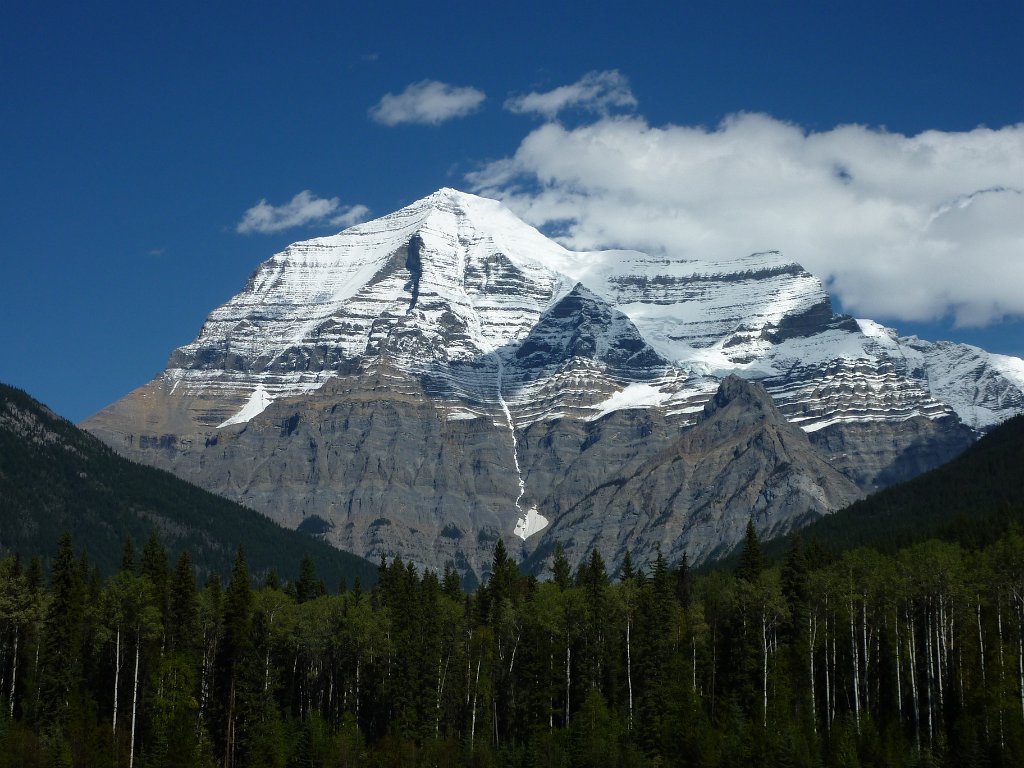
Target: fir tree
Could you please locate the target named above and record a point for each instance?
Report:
(309, 586)
(560, 571)
(128, 555)
(62, 651)
(234, 646)
(684, 581)
(627, 572)
(751, 559)
(183, 608)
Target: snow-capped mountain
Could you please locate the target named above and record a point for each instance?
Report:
(450, 370)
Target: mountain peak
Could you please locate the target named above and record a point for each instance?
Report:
(428, 380)
(462, 204)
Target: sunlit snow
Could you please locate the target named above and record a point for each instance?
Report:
(633, 396)
(258, 402)
(530, 523)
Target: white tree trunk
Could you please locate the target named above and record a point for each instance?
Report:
(568, 675)
(14, 668)
(693, 675)
(899, 687)
(812, 634)
(135, 701)
(476, 692)
(1020, 653)
(441, 677)
(629, 673)
(866, 649)
(856, 667)
(828, 678)
(940, 656)
(929, 668)
(1002, 670)
(981, 659)
(117, 675)
(912, 654)
(764, 675)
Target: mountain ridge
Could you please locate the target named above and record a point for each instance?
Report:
(453, 310)
(56, 477)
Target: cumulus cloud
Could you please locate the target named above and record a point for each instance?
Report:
(305, 209)
(901, 227)
(597, 92)
(427, 102)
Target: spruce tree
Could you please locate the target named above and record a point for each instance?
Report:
(62, 650)
(684, 581)
(451, 584)
(309, 586)
(627, 572)
(183, 608)
(751, 559)
(234, 647)
(128, 555)
(560, 571)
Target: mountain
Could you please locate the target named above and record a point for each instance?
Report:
(741, 459)
(427, 382)
(974, 499)
(55, 477)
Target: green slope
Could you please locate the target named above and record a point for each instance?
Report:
(971, 500)
(56, 477)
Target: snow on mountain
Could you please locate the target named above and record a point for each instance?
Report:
(454, 286)
(444, 376)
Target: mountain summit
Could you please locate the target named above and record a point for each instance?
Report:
(427, 382)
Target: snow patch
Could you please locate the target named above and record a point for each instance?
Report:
(530, 523)
(633, 396)
(257, 404)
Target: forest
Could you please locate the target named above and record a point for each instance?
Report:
(856, 659)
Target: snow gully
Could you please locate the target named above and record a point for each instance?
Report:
(530, 521)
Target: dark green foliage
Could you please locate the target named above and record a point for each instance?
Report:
(55, 477)
(308, 586)
(855, 658)
(62, 652)
(751, 559)
(974, 499)
(870, 659)
(561, 573)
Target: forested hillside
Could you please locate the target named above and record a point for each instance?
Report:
(905, 660)
(973, 500)
(55, 477)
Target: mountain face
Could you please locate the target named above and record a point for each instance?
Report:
(430, 381)
(55, 477)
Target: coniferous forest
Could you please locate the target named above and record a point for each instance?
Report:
(859, 659)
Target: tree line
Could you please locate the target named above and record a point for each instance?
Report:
(861, 659)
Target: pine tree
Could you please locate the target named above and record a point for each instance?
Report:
(272, 581)
(309, 586)
(751, 559)
(62, 651)
(183, 608)
(684, 581)
(627, 571)
(451, 585)
(560, 571)
(234, 646)
(128, 555)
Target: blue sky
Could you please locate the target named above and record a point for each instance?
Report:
(135, 137)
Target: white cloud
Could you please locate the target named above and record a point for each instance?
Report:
(427, 102)
(902, 227)
(305, 209)
(597, 92)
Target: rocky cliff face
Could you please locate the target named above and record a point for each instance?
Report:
(427, 382)
(694, 494)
